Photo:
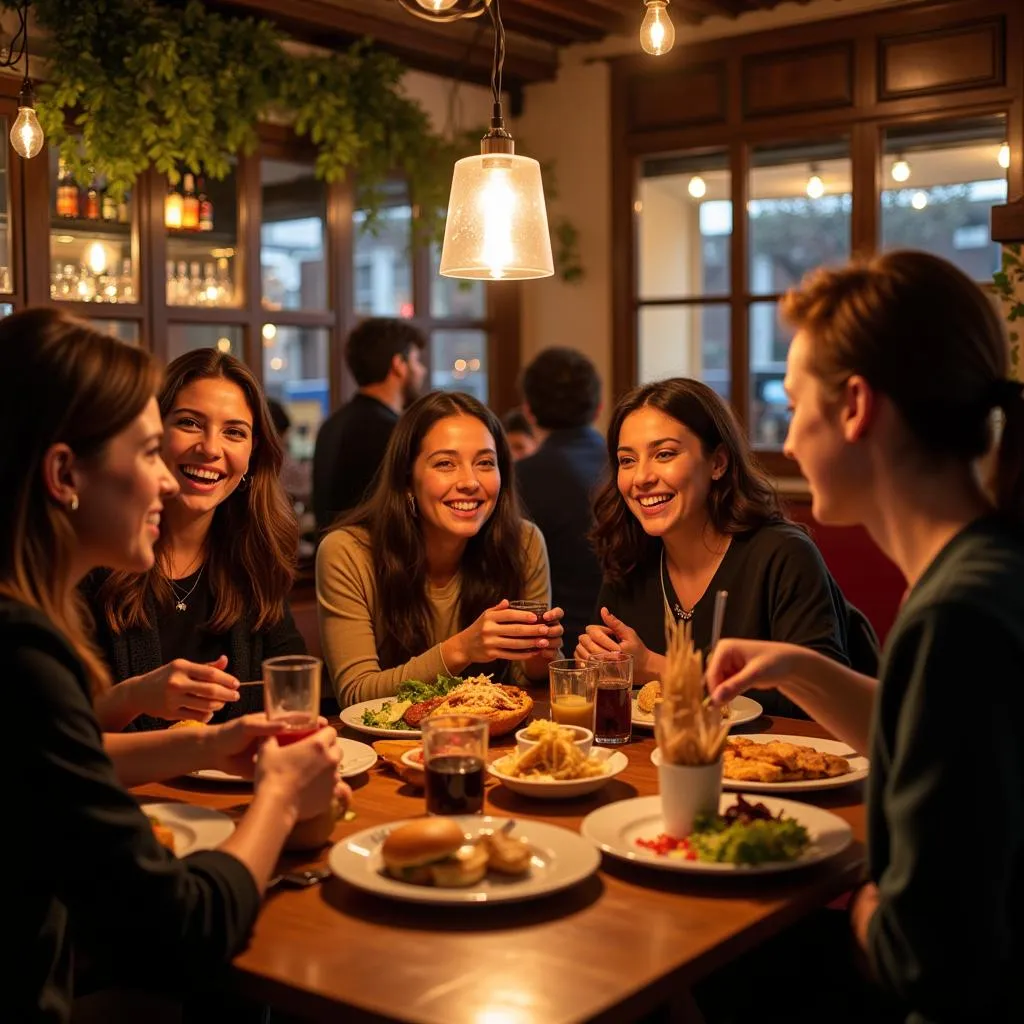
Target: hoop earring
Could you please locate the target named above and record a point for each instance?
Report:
(73, 503)
(243, 484)
(411, 501)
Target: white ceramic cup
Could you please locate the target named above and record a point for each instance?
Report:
(686, 792)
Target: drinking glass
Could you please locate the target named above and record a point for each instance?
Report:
(573, 683)
(614, 699)
(537, 607)
(291, 693)
(454, 755)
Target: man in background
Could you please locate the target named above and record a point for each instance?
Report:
(383, 356)
(562, 397)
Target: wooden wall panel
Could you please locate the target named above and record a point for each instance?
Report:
(965, 56)
(695, 95)
(818, 78)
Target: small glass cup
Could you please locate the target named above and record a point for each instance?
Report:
(613, 706)
(291, 693)
(537, 607)
(454, 761)
(573, 683)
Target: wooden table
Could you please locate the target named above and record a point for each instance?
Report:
(626, 941)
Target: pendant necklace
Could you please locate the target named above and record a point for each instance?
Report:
(181, 606)
(680, 612)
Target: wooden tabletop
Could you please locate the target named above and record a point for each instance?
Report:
(611, 948)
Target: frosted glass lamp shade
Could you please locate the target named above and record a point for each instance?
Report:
(497, 226)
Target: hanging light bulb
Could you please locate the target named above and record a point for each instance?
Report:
(497, 224)
(443, 11)
(434, 6)
(815, 187)
(657, 33)
(919, 200)
(697, 187)
(1003, 156)
(26, 132)
(900, 169)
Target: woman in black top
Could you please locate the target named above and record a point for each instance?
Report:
(216, 601)
(84, 485)
(687, 513)
(894, 372)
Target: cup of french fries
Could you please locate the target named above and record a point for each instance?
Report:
(690, 734)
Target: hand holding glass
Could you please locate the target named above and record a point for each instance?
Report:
(291, 693)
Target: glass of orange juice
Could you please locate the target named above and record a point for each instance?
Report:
(573, 685)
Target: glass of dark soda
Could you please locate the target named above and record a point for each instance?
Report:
(613, 711)
(454, 759)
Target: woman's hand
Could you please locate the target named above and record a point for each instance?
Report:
(536, 667)
(615, 635)
(233, 745)
(305, 772)
(182, 689)
(501, 632)
(738, 665)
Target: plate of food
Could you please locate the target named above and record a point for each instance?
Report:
(399, 717)
(356, 758)
(738, 711)
(744, 838)
(185, 828)
(554, 767)
(466, 858)
(766, 763)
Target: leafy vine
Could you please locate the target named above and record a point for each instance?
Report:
(1008, 285)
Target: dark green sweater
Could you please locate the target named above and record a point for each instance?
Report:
(946, 795)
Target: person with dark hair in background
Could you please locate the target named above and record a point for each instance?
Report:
(688, 512)
(562, 397)
(296, 477)
(383, 355)
(521, 439)
(893, 375)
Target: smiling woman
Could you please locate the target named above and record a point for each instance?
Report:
(688, 513)
(216, 600)
(416, 582)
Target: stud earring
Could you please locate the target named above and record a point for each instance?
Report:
(73, 503)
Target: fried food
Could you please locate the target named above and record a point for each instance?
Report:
(504, 707)
(779, 761)
(649, 695)
(553, 757)
(164, 836)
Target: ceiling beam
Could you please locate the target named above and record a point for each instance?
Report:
(607, 20)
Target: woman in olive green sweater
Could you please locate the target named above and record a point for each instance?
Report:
(893, 374)
(417, 581)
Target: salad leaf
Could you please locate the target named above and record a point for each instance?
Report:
(381, 718)
(748, 840)
(416, 691)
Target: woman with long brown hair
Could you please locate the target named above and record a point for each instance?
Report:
(215, 604)
(417, 581)
(686, 513)
(896, 368)
(83, 486)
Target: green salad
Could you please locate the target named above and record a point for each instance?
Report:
(747, 834)
(412, 691)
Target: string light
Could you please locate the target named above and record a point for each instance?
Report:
(815, 187)
(919, 200)
(26, 133)
(697, 187)
(900, 169)
(436, 6)
(657, 33)
(1003, 156)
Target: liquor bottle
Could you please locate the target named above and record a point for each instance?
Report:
(209, 291)
(172, 209)
(108, 206)
(123, 214)
(67, 192)
(225, 286)
(195, 284)
(92, 201)
(172, 285)
(190, 205)
(126, 283)
(205, 208)
(182, 287)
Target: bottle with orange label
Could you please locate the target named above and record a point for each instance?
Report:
(189, 204)
(67, 191)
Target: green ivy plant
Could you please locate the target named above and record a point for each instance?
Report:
(1008, 285)
(134, 84)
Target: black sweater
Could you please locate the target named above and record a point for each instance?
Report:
(779, 589)
(946, 791)
(87, 860)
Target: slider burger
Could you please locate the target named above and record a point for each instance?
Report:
(433, 851)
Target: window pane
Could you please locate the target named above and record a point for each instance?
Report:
(458, 362)
(798, 212)
(201, 260)
(91, 254)
(383, 259)
(769, 345)
(292, 236)
(685, 341)
(449, 297)
(182, 338)
(296, 372)
(943, 180)
(124, 330)
(684, 221)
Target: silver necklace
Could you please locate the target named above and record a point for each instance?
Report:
(181, 606)
(680, 612)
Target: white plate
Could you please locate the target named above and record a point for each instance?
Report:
(744, 709)
(194, 828)
(352, 716)
(215, 775)
(563, 789)
(560, 858)
(616, 827)
(858, 766)
(356, 758)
